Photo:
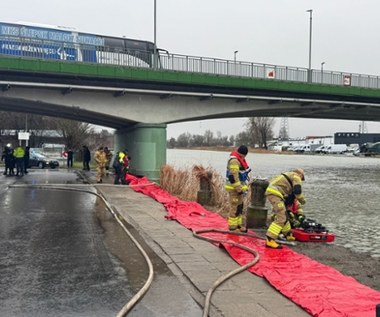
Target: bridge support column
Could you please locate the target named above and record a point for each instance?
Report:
(146, 144)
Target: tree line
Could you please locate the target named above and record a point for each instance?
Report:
(257, 131)
(73, 134)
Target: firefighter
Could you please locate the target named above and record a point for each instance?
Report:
(101, 160)
(281, 192)
(121, 167)
(237, 186)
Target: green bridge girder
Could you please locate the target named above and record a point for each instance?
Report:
(11, 64)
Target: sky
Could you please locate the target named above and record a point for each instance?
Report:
(344, 37)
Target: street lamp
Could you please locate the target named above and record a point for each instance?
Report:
(323, 63)
(235, 56)
(310, 35)
(26, 127)
(155, 62)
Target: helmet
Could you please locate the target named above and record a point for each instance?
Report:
(300, 172)
(242, 150)
(9, 145)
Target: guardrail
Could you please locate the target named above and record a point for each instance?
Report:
(24, 47)
(217, 66)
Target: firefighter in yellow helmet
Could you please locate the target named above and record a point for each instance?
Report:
(281, 192)
(237, 186)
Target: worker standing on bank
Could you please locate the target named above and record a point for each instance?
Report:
(237, 186)
(281, 192)
(101, 160)
(19, 153)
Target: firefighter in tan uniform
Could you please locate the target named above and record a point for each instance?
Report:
(237, 187)
(101, 161)
(281, 193)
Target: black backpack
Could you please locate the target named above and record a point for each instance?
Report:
(116, 162)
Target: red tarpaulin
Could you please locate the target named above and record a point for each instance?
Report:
(319, 289)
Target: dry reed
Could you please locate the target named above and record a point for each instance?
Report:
(185, 184)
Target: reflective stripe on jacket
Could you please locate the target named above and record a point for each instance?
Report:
(280, 186)
(240, 175)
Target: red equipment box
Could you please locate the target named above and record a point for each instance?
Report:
(304, 236)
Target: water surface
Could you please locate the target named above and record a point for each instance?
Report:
(341, 190)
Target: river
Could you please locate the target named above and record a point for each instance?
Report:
(341, 190)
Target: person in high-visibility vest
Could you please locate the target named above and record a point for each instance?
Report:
(19, 153)
(121, 167)
(237, 186)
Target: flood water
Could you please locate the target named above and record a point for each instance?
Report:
(342, 191)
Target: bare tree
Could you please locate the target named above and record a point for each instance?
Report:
(74, 133)
(260, 130)
(208, 138)
(183, 140)
(243, 138)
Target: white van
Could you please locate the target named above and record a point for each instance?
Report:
(335, 148)
(320, 149)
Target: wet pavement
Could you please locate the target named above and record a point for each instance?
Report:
(196, 265)
(54, 261)
(63, 254)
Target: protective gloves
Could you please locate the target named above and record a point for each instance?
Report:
(302, 200)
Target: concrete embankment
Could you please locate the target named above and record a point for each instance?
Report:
(197, 264)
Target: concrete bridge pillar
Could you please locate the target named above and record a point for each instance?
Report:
(146, 144)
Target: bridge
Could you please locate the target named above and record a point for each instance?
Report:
(139, 100)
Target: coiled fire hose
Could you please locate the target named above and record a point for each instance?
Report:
(223, 278)
(196, 233)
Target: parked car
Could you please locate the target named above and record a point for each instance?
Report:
(39, 160)
(373, 149)
(353, 148)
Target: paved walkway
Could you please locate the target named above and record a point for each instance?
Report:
(196, 263)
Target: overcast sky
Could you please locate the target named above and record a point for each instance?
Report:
(345, 37)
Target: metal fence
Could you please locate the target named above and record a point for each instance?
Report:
(216, 66)
(68, 52)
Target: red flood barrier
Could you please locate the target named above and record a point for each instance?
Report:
(319, 289)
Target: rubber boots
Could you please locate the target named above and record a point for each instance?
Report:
(271, 243)
(290, 237)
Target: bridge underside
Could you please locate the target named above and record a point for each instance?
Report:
(139, 111)
(120, 108)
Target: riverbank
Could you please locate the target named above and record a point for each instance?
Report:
(361, 266)
(195, 263)
(341, 198)
(233, 148)
(139, 210)
(198, 264)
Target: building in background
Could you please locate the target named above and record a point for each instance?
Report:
(355, 138)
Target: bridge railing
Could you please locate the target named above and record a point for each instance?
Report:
(217, 66)
(69, 52)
